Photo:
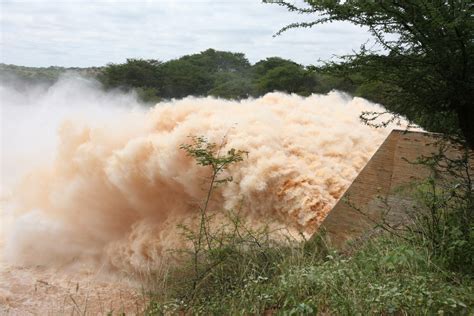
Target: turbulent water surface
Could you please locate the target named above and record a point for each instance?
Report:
(95, 181)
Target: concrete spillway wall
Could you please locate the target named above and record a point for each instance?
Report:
(378, 186)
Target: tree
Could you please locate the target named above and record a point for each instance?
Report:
(183, 78)
(278, 74)
(197, 74)
(219, 61)
(263, 66)
(424, 66)
(237, 88)
(132, 74)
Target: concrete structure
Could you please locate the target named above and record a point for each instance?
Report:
(379, 186)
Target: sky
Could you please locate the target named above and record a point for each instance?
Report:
(86, 33)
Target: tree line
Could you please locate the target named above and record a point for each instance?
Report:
(221, 74)
(215, 73)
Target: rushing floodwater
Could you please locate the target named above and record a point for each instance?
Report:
(95, 181)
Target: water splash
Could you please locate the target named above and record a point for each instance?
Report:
(107, 182)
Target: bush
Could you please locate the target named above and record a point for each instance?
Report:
(385, 276)
(443, 220)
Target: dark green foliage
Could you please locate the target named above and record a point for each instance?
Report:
(238, 88)
(444, 218)
(262, 67)
(324, 82)
(425, 68)
(141, 75)
(182, 78)
(209, 73)
(148, 94)
(134, 73)
(221, 74)
(218, 61)
(277, 74)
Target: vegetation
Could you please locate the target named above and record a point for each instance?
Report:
(384, 277)
(221, 74)
(41, 75)
(234, 269)
(444, 216)
(138, 73)
(209, 73)
(424, 69)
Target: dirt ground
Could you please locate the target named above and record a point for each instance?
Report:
(82, 291)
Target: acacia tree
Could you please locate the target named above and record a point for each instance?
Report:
(424, 69)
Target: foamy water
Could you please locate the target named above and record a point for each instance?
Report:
(96, 178)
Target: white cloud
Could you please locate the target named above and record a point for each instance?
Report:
(86, 33)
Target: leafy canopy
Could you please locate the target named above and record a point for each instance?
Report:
(211, 72)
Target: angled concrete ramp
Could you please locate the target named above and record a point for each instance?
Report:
(379, 184)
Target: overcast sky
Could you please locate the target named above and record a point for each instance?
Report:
(96, 32)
